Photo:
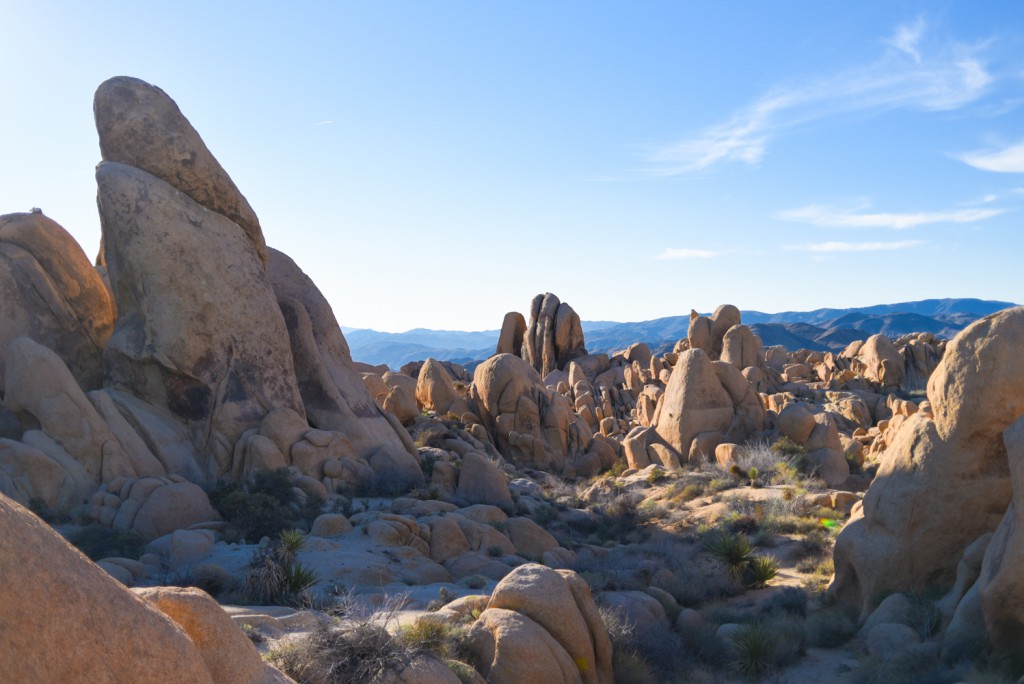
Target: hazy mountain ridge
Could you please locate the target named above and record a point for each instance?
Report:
(820, 330)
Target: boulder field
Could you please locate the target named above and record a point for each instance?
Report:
(139, 394)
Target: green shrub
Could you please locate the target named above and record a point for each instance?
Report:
(99, 541)
(443, 639)
(275, 575)
(785, 446)
(629, 667)
(754, 650)
(759, 571)
(792, 600)
(733, 550)
(264, 507)
(830, 627)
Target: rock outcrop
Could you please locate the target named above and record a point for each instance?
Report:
(544, 624)
(530, 425)
(70, 621)
(554, 336)
(49, 292)
(141, 126)
(702, 397)
(944, 481)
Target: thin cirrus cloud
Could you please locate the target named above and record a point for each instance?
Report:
(818, 215)
(913, 74)
(1007, 160)
(686, 253)
(833, 247)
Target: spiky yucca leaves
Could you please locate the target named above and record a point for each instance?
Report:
(733, 550)
(760, 570)
(754, 649)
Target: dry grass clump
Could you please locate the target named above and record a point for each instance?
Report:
(356, 644)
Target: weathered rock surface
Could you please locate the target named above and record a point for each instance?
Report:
(531, 425)
(557, 602)
(49, 292)
(333, 393)
(104, 634)
(942, 482)
(228, 654)
(554, 336)
(199, 331)
(706, 397)
(513, 331)
(140, 125)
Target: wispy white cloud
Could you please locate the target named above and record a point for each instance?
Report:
(906, 38)
(687, 253)
(918, 74)
(325, 122)
(830, 247)
(1006, 160)
(818, 215)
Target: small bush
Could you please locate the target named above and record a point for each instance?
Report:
(629, 667)
(754, 650)
(786, 447)
(733, 550)
(254, 634)
(275, 575)
(830, 627)
(495, 551)
(264, 507)
(759, 571)
(445, 640)
(98, 542)
(790, 600)
(475, 581)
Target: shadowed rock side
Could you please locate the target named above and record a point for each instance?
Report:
(944, 480)
(554, 337)
(139, 125)
(332, 391)
(199, 331)
(50, 292)
(104, 633)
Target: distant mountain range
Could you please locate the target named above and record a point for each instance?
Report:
(820, 330)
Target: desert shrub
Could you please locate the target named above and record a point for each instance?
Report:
(254, 634)
(446, 640)
(629, 667)
(830, 627)
(759, 571)
(791, 600)
(444, 597)
(704, 645)
(790, 637)
(352, 645)
(733, 550)
(753, 650)
(263, 507)
(618, 468)
(787, 448)
(925, 618)
(276, 575)
(475, 581)
(495, 551)
(99, 541)
(656, 475)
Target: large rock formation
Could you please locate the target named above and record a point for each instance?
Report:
(531, 425)
(943, 481)
(554, 337)
(199, 331)
(333, 392)
(139, 125)
(50, 293)
(703, 397)
(66, 620)
(542, 624)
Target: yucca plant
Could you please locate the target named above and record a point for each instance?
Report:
(298, 577)
(760, 570)
(754, 649)
(731, 549)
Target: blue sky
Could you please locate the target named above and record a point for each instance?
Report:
(437, 164)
